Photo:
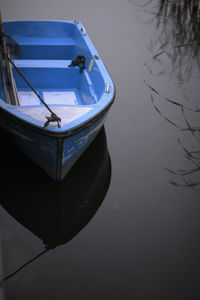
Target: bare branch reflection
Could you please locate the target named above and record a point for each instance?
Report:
(177, 42)
(175, 53)
(192, 153)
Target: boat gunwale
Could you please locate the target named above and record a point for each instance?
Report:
(57, 134)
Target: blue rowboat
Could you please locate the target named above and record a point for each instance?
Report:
(55, 91)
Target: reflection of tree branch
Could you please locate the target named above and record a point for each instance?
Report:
(179, 22)
(170, 100)
(189, 155)
(182, 172)
(192, 156)
(187, 184)
(168, 120)
(177, 41)
(187, 122)
(141, 5)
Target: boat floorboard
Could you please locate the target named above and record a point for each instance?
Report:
(67, 114)
(41, 63)
(43, 41)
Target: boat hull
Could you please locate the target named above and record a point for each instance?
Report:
(54, 154)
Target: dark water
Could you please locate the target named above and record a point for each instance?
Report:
(125, 223)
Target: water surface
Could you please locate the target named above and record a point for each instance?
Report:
(125, 223)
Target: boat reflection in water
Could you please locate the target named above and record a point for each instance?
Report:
(55, 212)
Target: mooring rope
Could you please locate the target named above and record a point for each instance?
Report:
(26, 264)
(53, 117)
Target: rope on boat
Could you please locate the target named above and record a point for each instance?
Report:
(53, 117)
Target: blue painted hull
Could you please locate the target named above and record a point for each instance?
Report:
(55, 155)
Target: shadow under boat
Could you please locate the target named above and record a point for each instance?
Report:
(55, 212)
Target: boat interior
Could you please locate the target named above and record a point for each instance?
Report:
(43, 52)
